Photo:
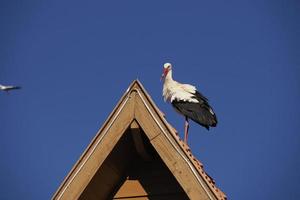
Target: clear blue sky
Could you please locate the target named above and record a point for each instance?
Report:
(75, 59)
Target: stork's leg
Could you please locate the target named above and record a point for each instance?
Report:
(186, 129)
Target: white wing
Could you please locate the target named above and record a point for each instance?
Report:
(188, 88)
(180, 92)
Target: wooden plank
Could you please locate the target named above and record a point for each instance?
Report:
(179, 169)
(105, 124)
(169, 154)
(145, 120)
(96, 154)
(112, 171)
(101, 189)
(130, 188)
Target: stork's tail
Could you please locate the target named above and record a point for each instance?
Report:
(205, 117)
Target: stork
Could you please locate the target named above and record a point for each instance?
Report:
(187, 101)
(7, 88)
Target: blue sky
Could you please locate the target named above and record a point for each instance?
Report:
(74, 60)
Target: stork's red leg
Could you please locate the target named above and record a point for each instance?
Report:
(186, 129)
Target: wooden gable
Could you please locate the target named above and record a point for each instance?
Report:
(137, 154)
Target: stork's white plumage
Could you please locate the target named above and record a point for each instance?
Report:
(7, 88)
(187, 101)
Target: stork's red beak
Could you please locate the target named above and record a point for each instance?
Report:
(164, 74)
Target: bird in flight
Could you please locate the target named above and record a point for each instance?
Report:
(7, 88)
(187, 101)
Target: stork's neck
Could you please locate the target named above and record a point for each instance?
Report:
(169, 76)
(167, 87)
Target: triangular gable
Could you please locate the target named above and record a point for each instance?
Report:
(137, 111)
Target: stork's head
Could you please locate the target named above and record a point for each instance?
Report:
(167, 68)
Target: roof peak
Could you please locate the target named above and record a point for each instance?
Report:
(137, 106)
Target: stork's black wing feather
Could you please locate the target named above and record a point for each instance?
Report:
(200, 96)
(201, 112)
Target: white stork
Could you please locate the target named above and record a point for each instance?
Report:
(187, 101)
(7, 88)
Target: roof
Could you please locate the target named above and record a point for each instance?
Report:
(136, 108)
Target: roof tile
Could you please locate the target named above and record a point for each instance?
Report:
(199, 166)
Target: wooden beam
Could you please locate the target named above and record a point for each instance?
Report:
(98, 150)
(138, 141)
(168, 149)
